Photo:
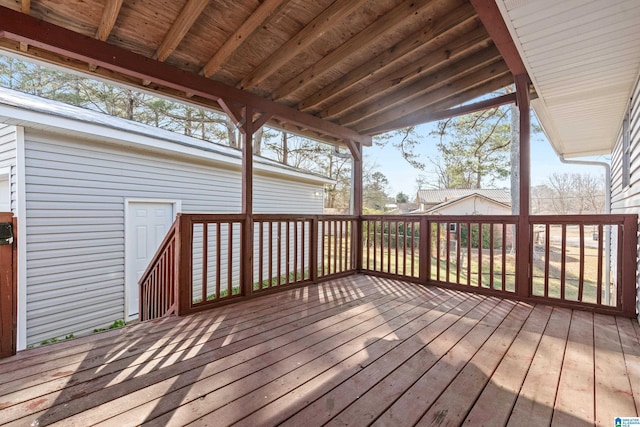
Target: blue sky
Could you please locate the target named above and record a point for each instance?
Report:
(402, 176)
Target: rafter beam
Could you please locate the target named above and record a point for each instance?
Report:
(448, 25)
(25, 7)
(492, 73)
(108, 20)
(23, 28)
(438, 112)
(250, 25)
(388, 86)
(180, 27)
(310, 33)
(364, 38)
(492, 20)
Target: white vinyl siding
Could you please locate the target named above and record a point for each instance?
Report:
(625, 196)
(8, 138)
(75, 196)
(626, 199)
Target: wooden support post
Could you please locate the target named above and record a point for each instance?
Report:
(522, 255)
(356, 194)
(628, 254)
(8, 289)
(184, 254)
(247, 130)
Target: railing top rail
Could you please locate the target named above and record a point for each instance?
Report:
(511, 219)
(202, 218)
(282, 217)
(581, 219)
(171, 234)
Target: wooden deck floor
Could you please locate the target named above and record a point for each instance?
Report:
(354, 351)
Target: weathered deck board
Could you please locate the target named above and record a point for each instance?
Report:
(354, 351)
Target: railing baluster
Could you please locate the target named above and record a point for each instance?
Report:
(230, 260)
(287, 255)
(491, 256)
(563, 263)
(447, 229)
(205, 259)
(581, 274)
(279, 260)
(504, 257)
(295, 250)
(260, 253)
(599, 256)
(218, 260)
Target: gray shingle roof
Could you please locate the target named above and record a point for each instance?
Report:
(433, 197)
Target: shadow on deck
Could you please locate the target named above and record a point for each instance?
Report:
(353, 351)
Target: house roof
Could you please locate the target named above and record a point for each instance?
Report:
(432, 197)
(332, 69)
(583, 58)
(462, 198)
(20, 109)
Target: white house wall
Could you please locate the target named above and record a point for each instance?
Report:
(8, 138)
(627, 199)
(75, 203)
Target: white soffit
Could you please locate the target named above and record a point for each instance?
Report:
(583, 57)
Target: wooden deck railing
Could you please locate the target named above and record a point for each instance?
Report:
(567, 260)
(158, 284)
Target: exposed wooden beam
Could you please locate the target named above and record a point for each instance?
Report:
(434, 113)
(455, 94)
(49, 37)
(420, 69)
(180, 27)
(248, 27)
(300, 41)
(449, 25)
(492, 20)
(25, 7)
(108, 20)
(364, 38)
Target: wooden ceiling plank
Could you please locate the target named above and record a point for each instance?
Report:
(364, 38)
(248, 27)
(108, 20)
(449, 54)
(180, 27)
(429, 83)
(492, 20)
(434, 113)
(19, 27)
(489, 73)
(309, 34)
(457, 21)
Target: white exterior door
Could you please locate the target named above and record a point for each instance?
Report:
(147, 224)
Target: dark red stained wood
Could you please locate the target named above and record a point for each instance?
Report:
(494, 405)
(452, 405)
(563, 263)
(574, 405)
(613, 390)
(492, 20)
(600, 259)
(631, 353)
(350, 348)
(629, 264)
(205, 259)
(547, 256)
(492, 15)
(534, 405)
(261, 254)
(581, 261)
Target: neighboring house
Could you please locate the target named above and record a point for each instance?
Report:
(403, 208)
(464, 202)
(94, 196)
